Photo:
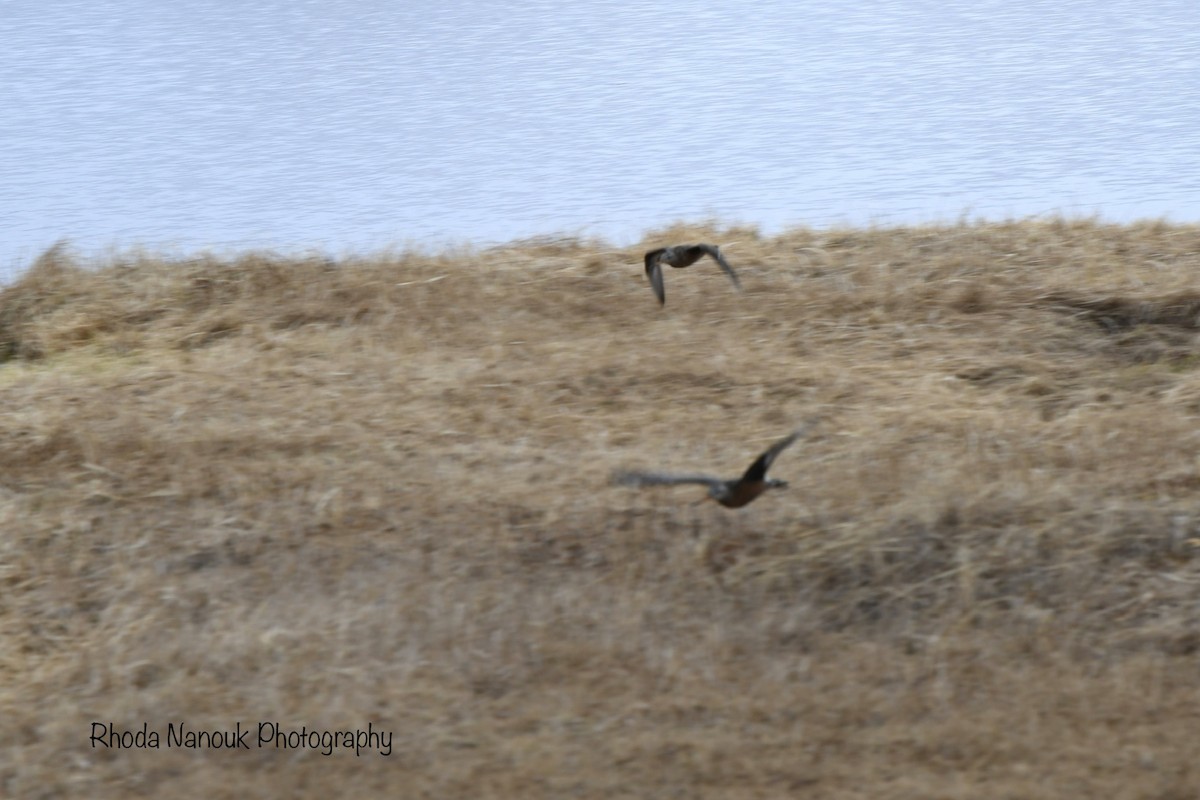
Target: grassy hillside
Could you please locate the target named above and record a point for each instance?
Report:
(376, 492)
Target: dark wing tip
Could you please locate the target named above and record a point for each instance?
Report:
(656, 283)
(758, 470)
(715, 252)
(654, 273)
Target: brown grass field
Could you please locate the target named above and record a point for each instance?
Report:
(376, 492)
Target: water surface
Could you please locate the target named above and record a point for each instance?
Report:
(353, 126)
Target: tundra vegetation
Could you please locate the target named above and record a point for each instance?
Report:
(374, 490)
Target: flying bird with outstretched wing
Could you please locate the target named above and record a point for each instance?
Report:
(680, 256)
(733, 493)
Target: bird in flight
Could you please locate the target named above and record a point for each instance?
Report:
(729, 493)
(679, 256)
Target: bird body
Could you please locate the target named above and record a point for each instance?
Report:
(680, 256)
(729, 493)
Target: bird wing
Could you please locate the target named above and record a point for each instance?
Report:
(715, 252)
(654, 273)
(638, 478)
(758, 470)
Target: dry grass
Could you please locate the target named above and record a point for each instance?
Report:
(375, 491)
